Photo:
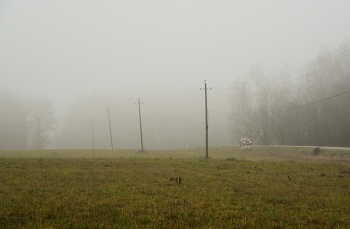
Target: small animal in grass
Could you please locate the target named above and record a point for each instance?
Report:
(177, 180)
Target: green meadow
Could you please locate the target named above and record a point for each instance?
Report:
(249, 187)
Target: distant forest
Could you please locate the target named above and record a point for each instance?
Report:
(305, 106)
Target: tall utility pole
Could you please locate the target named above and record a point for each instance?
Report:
(206, 120)
(110, 128)
(92, 134)
(140, 124)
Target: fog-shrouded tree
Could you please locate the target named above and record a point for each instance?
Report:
(311, 109)
(327, 120)
(241, 116)
(42, 123)
(262, 106)
(282, 99)
(279, 116)
(12, 122)
(293, 117)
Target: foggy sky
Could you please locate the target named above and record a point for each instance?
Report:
(160, 51)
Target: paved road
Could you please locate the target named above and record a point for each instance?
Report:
(322, 147)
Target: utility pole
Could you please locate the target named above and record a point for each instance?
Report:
(110, 128)
(92, 134)
(140, 124)
(206, 120)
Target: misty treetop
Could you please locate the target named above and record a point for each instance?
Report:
(306, 106)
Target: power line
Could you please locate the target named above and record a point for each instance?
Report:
(179, 97)
(220, 82)
(319, 71)
(222, 89)
(310, 103)
(185, 99)
(315, 72)
(307, 66)
(249, 86)
(181, 117)
(219, 111)
(304, 67)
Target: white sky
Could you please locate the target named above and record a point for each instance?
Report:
(80, 47)
(63, 50)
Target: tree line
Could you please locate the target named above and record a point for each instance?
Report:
(305, 106)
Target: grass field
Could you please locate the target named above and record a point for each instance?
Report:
(250, 187)
(270, 153)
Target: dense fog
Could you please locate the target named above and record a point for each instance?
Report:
(63, 63)
(312, 108)
(165, 125)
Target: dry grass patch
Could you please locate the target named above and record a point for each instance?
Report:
(137, 193)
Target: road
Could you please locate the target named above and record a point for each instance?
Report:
(321, 147)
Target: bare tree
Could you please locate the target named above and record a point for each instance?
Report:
(327, 121)
(241, 108)
(262, 109)
(42, 122)
(314, 111)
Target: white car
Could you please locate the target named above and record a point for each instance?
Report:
(245, 141)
